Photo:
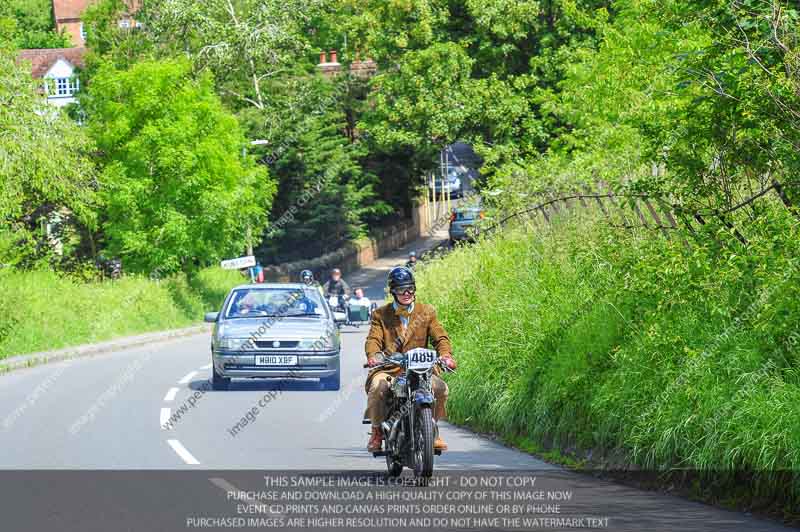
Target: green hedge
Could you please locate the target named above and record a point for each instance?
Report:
(42, 310)
(639, 349)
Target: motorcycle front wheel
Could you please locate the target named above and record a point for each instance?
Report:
(423, 453)
(393, 466)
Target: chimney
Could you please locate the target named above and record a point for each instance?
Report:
(323, 58)
(333, 56)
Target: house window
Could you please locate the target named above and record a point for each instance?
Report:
(125, 23)
(66, 86)
(83, 33)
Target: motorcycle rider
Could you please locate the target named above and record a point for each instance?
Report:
(336, 286)
(400, 326)
(412, 260)
(307, 278)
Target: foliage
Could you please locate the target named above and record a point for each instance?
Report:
(706, 90)
(29, 24)
(243, 43)
(108, 41)
(176, 191)
(325, 196)
(44, 165)
(471, 70)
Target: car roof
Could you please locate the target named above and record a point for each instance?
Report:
(258, 286)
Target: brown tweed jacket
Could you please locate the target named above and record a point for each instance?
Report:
(386, 333)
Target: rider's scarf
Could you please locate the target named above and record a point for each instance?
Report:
(404, 312)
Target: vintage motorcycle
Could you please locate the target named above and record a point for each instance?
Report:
(409, 430)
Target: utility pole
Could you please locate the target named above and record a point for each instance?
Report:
(447, 177)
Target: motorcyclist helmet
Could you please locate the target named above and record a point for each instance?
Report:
(401, 279)
(307, 276)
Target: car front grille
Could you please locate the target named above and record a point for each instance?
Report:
(277, 344)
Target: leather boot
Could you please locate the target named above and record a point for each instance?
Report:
(375, 440)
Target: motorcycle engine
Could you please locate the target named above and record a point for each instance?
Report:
(399, 386)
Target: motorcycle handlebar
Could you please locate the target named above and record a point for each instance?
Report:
(389, 362)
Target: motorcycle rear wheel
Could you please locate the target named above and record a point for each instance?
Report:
(423, 456)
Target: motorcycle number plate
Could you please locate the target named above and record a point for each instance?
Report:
(333, 301)
(422, 359)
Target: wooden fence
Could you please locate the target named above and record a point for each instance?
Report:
(632, 210)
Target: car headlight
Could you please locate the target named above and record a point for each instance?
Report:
(320, 344)
(234, 344)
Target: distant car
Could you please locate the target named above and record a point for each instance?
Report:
(454, 183)
(463, 222)
(274, 330)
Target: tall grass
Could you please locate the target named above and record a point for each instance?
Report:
(42, 310)
(583, 337)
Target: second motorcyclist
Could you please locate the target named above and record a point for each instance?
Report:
(336, 286)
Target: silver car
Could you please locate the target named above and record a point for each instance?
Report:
(285, 331)
(452, 185)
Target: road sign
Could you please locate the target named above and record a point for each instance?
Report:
(237, 264)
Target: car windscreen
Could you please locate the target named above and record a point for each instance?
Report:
(466, 215)
(275, 302)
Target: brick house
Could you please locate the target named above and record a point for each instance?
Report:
(56, 67)
(67, 14)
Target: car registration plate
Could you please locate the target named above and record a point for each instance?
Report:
(276, 360)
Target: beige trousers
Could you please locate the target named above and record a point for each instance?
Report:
(379, 388)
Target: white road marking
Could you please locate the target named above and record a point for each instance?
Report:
(164, 417)
(224, 485)
(185, 455)
(227, 487)
(171, 393)
(207, 366)
(187, 378)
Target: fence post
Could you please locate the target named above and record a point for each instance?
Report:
(635, 207)
(783, 196)
(655, 216)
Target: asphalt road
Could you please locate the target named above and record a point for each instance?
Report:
(108, 413)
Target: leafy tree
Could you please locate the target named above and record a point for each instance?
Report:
(30, 24)
(107, 41)
(176, 190)
(325, 197)
(743, 125)
(471, 69)
(244, 43)
(44, 164)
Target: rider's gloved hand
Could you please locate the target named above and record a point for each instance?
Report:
(448, 361)
(374, 360)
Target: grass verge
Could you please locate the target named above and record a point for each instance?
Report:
(627, 350)
(42, 310)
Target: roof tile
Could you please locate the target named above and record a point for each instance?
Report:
(44, 58)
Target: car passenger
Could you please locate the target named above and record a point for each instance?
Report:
(359, 299)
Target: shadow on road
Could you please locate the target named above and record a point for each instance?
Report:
(261, 385)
